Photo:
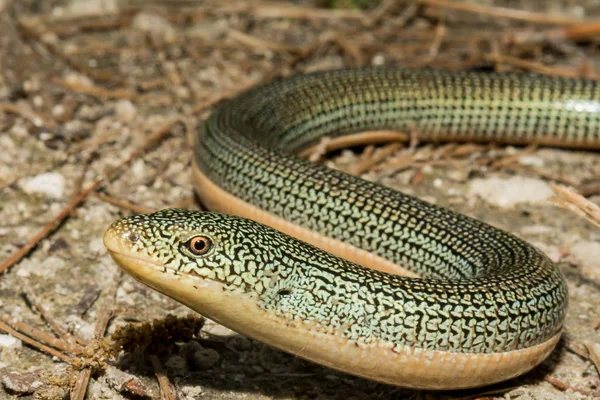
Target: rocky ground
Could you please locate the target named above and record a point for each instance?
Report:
(84, 85)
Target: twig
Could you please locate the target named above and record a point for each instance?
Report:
(24, 110)
(315, 152)
(93, 90)
(383, 9)
(124, 204)
(359, 139)
(574, 202)
(105, 313)
(509, 13)
(67, 25)
(485, 394)
(163, 380)
(80, 388)
(347, 47)
(377, 157)
(3, 6)
(539, 68)
(106, 310)
(588, 190)
(40, 336)
(594, 349)
(185, 203)
(222, 96)
(541, 173)
(505, 161)
(557, 383)
(34, 343)
(398, 163)
(257, 43)
(434, 49)
(573, 33)
(278, 10)
(29, 28)
(78, 185)
(63, 334)
(95, 141)
(154, 138)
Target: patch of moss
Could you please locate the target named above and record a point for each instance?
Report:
(156, 336)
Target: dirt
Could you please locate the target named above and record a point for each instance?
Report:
(84, 83)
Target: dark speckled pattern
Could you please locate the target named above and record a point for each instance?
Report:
(483, 290)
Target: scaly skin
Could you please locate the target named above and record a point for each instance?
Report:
(485, 298)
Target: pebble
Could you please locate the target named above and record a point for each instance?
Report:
(125, 111)
(124, 382)
(128, 287)
(10, 342)
(21, 382)
(191, 392)
(84, 7)
(31, 267)
(176, 365)
(205, 358)
(138, 168)
(58, 110)
(507, 193)
(588, 254)
(155, 25)
(536, 230)
(239, 343)
(209, 31)
(51, 184)
(217, 329)
(188, 349)
(96, 246)
(51, 264)
(533, 161)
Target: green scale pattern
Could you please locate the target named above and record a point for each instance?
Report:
(482, 290)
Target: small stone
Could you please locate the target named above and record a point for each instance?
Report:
(20, 382)
(51, 264)
(209, 31)
(176, 365)
(205, 359)
(10, 342)
(378, 59)
(239, 343)
(188, 349)
(138, 168)
(156, 26)
(86, 7)
(507, 193)
(124, 382)
(532, 161)
(38, 101)
(125, 111)
(536, 230)
(52, 184)
(215, 329)
(191, 392)
(45, 136)
(96, 246)
(128, 287)
(588, 254)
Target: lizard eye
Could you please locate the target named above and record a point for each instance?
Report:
(199, 245)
